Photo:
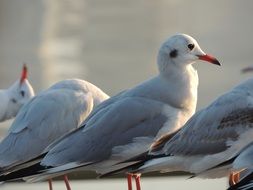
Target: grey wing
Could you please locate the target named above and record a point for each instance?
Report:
(113, 130)
(214, 129)
(44, 119)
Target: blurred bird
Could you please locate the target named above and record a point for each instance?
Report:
(13, 98)
(127, 124)
(209, 142)
(247, 69)
(45, 118)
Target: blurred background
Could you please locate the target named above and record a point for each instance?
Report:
(114, 43)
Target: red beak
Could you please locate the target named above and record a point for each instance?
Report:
(24, 74)
(209, 58)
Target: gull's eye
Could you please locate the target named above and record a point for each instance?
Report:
(190, 46)
(22, 92)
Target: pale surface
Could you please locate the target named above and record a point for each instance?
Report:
(162, 183)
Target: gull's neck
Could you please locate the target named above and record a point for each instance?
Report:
(12, 89)
(183, 82)
(10, 108)
(169, 69)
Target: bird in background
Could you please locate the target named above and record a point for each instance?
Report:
(45, 118)
(13, 98)
(248, 69)
(127, 124)
(209, 142)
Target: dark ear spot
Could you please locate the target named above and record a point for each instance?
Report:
(14, 100)
(173, 53)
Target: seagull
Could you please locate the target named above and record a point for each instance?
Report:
(13, 98)
(128, 123)
(45, 118)
(209, 141)
(242, 163)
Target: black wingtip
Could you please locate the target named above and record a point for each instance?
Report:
(133, 168)
(23, 165)
(139, 161)
(193, 176)
(25, 172)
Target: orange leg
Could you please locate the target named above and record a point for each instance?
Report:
(50, 184)
(138, 181)
(66, 180)
(237, 177)
(129, 181)
(234, 178)
(231, 180)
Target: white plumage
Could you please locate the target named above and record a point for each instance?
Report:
(13, 98)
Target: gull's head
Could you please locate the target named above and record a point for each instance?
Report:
(18, 94)
(21, 91)
(182, 50)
